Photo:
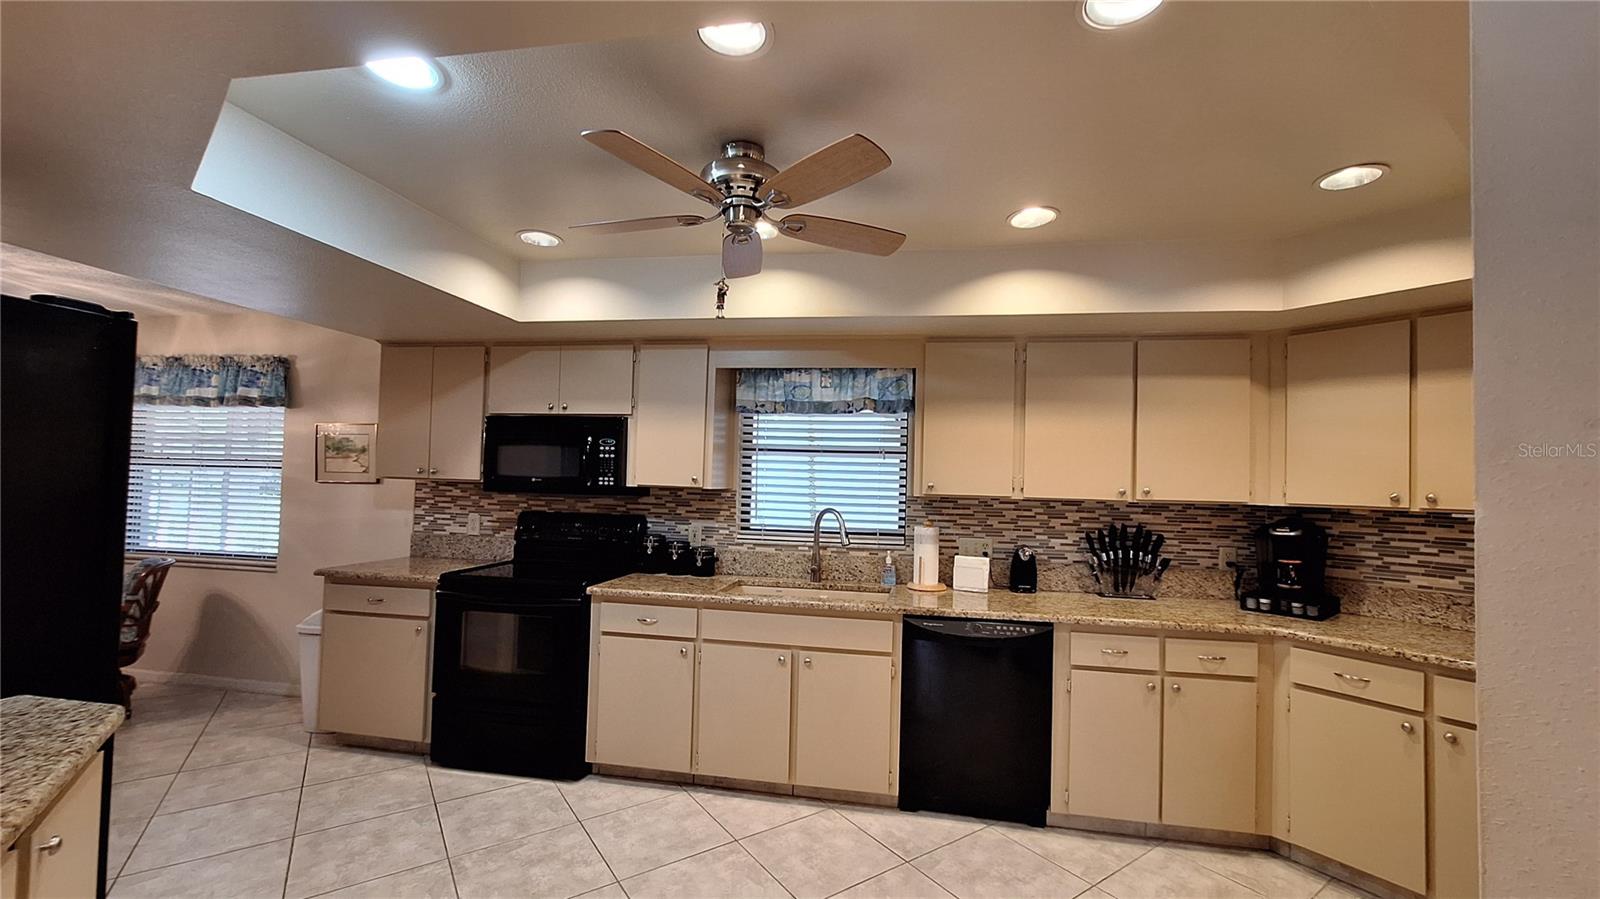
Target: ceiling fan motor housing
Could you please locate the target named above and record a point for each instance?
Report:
(739, 174)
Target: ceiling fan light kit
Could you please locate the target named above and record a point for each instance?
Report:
(745, 188)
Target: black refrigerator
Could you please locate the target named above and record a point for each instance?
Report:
(66, 411)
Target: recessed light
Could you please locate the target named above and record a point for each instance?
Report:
(734, 39)
(1353, 176)
(1108, 14)
(539, 238)
(766, 229)
(414, 73)
(1032, 216)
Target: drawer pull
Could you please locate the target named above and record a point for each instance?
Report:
(1450, 737)
(1212, 658)
(52, 845)
(1353, 677)
(1114, 652)
(646, 621)
(374, 600)
(1406, 726)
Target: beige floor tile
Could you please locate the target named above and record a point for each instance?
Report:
(453, 783)
(252, 711)
(359, 798)
(241, 746)
(609, 891)
(1163, 874)
(473, 822)
(240, 780)
(725, 871)
(819, 855)
(1270, 875)
(636, 839)
(253, 873)
(909, 834)
(431, 881)
(596, 795)
(1338, 889)
(133, 804)
(986, 864)
(336, 762)
(744, 814)
(557, 863)
(1091, 856)
(194, 705)
(904, 882)
(356, 853)
(197, 833)
(149, 754)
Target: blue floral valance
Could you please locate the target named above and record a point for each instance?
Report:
(212, 380)
(813, 390)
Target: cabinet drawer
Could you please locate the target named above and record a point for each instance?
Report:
(660, 621)
(407, 601)
(859, 634)
(1115, 651)
(1358, 678)
(1455, 699)
(1235, 658)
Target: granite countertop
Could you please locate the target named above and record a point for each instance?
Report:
(44, 743)
(1421, 643)
(407, 571)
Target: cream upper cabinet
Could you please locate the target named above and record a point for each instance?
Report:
(644, 703)
(1348, 440)
(430, 412)
(843, 706)
(742, 712)
(1077, 434)
(1356, 786)
(1194, 421)
(968, 412)
(1454, 795)
(1443, 450)
(374, 679)
(1114, 745)
(576, 380)
(1208, 754)
(669, 436)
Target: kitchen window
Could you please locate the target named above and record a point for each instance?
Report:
(793, 464)
(205, 483)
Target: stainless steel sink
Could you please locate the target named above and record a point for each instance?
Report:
(808, 591)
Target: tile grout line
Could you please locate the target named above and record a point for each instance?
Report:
(300, 800)
(739, 841)
(592, 844)
(135, 847)
(438, 816)
(1092, 883)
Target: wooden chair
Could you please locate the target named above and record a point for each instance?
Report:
(141, 589)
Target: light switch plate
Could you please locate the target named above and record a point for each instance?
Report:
(1227, 555)
(697, 533)
(974, 546)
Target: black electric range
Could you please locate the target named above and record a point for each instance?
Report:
(511, 645)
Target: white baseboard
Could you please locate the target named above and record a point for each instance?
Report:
(243, 685)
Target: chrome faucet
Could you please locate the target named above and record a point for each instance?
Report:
(816, 541)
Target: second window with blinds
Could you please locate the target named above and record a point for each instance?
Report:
(793, 464)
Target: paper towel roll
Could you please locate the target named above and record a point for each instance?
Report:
(925, 555)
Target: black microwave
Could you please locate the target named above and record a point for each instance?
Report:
(556, 454)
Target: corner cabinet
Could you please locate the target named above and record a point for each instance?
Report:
(1442, 454)
(430, 412)
(968, 414)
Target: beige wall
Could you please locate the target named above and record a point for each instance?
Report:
(1536, 221)
(240, 624)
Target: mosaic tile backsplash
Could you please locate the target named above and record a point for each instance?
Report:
(1414, 566)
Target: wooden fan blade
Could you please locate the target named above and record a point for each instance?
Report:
(741, 258)
(623, 226)
(653, 163)
(834, 167)
(842, 235)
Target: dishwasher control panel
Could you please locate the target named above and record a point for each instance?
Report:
(968, 627)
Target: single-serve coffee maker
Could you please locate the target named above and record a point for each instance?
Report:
(1291, 570)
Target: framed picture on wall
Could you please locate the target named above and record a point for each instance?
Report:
(344, 452)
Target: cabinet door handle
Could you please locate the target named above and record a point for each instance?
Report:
(694, 479)
(1353, 677)
(683, 651)
(374, 600)
(1212, 658)
(1151, 686)
(52, 845)
(1406, 726)
(930, 486)
(646, 621)
(808, 661)
(1394, 497)
(550, 405)
(1177, 688)
(1114, 652)
(1122, 491)
(421, 470)
(419, 628)
(563, 407)
(1145, 491)
(783, 659)
(1432, 498)
(1450, 737)
(433, 471)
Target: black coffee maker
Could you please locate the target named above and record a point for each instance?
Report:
(1291, 571)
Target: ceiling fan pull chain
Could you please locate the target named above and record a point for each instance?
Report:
(722, 295)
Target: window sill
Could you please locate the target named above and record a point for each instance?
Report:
(830, 542)
(265, 566)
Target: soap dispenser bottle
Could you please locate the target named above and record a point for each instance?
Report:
(888, 569)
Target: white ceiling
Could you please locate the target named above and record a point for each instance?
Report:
(1208, 120)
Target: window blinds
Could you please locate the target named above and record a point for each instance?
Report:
(206, 481)
(792, 465)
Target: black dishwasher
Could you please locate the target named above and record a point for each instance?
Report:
(975, 718)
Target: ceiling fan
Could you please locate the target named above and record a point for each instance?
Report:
(745, 188)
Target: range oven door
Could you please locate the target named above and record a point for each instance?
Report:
(506, 653)
(555, 454)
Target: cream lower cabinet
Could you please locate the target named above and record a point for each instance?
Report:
(374, 679)
(644, 702)
(1114, 745)
(1208, 753)
(1357, 786)
(842, 721)
(1454, 793)
(59, 856)
(743, 712)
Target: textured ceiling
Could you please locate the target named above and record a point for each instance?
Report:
(1206, 120)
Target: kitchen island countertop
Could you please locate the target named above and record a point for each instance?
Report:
(44, 743)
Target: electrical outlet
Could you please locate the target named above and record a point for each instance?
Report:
(974, 546)
(1227, 555)
(697, 533)
(474, 524)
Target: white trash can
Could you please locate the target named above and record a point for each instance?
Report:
(310, 631)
